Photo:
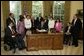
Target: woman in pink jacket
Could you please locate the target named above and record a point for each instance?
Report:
(20, 26)
(58, 25)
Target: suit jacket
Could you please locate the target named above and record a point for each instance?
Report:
(45, 26)
(77, 26)
(18, 40)
(8, 35)
(33, 27)
(9, 20)
(38, 22)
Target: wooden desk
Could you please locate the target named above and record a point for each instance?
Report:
(44, 41)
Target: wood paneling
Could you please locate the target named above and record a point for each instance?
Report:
(58, 42)
(44, 41)
(32, 43)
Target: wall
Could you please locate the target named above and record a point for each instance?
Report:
(74, 6)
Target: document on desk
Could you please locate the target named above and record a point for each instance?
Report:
(42, 30)
(28, 32)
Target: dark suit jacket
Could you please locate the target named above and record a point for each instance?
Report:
(38, 23)
(8, 35)
(45, 26)
(33, 25)
(9, 20)
(77, 27)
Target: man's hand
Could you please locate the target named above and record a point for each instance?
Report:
(13, 36)
(67, 33)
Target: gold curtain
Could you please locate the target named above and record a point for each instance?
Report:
(27, 6)
(6, 11)
(47, 7)
(66, 13)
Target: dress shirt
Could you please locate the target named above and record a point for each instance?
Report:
(51, 23)
(27, 23)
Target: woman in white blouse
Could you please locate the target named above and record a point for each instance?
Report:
(51, 23)
(27, 22)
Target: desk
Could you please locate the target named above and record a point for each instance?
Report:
(44, 41)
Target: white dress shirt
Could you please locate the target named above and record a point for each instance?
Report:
(12, 19)
(11, 30)
(68, 28)
(27, 23)
(68, 31)
(75, 21)
(51, 23)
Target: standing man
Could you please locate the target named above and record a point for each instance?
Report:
(38, 21)
(76, 28)
(12, 19)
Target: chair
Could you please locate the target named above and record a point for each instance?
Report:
(8, 44)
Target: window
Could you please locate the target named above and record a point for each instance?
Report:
(15, 8)
(58, 9)
(37, 7)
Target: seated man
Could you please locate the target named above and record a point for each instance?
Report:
(12, 37)
(67, 34)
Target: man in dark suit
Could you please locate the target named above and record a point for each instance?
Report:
(76, 28)
(33, 27)
(38, 21)
(44, 24)
(68, 34)
(10, 38)
(12, 19)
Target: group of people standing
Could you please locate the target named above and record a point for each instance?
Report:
(48, 23)
(15, 33)
(30, 23)
(13, 36)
